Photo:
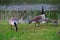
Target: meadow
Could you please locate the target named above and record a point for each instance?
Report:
(29, 32)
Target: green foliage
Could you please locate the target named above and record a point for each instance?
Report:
(6, 2)
(52, 14)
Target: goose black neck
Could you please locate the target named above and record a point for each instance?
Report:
(15, 26)
(42, 12)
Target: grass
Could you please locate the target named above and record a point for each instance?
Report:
(29, 32)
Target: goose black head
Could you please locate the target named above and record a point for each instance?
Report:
(42, 12)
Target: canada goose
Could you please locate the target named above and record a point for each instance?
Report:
(13, 22)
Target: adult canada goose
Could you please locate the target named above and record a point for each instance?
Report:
(13, 22)
(38, 18)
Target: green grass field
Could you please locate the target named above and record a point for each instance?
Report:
(29, 32)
